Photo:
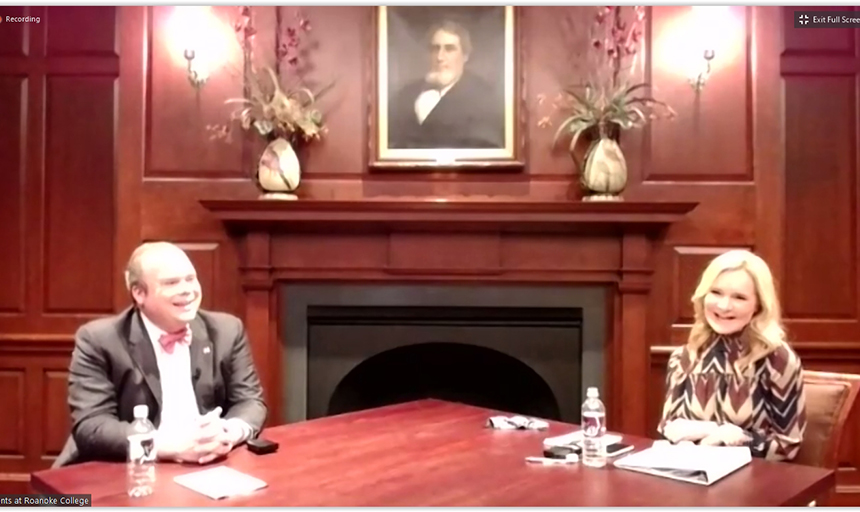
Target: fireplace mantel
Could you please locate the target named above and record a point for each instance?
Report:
(444, 214)
(464, 241)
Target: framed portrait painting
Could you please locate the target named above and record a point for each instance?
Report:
(446, 89)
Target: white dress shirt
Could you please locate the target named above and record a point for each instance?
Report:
(179, 408)
(427, 101)
(178, 402)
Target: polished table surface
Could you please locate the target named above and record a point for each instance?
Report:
(435, 453)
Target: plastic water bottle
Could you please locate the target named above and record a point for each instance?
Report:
(593, 429)
(141, 454)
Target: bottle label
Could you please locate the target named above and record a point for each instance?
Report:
(592, 425)
(141, 447)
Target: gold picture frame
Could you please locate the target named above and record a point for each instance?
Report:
(462, 65)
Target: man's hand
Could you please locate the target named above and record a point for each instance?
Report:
(191, 449)
(223, 435)
(688, 430)
(234, 431)
(208, 440)
(213, 442)
(726, 434)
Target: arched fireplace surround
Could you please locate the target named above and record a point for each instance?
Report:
(486, 241)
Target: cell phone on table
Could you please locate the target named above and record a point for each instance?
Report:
(561, 452)
(261, 446)
(615, 449)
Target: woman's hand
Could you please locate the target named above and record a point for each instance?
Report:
(688, 430)
(726, 434)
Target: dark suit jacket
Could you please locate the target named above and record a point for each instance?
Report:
(470, 115)
(113, 368)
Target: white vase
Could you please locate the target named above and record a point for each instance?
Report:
(279, 172)
(605, 172)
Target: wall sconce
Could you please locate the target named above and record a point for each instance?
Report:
(198, 37)
(710, 27)
(698, 81)
(197, 75)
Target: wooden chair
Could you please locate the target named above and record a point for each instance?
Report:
(829, 399)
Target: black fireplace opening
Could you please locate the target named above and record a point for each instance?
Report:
(520, 360)
(448, 371)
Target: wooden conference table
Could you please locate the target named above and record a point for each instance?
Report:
(435, 453)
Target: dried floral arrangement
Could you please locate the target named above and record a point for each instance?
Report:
(275, 109)
(606, 102)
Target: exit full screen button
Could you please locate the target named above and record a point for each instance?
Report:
(826, 19)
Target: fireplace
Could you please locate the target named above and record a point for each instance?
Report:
(474, 244)
(521, 349)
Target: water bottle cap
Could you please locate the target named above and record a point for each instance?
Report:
(592, 393)
(141, 412)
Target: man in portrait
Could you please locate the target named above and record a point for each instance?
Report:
(450, 107)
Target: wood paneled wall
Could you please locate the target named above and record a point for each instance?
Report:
(104, 146)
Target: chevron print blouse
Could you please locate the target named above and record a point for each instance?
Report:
(767, 400)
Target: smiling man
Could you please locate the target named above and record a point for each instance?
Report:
(167, 353)
(449, 107)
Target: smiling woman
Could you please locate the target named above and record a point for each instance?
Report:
(736, 381)
(731, 301)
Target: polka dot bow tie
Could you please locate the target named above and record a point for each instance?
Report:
(171, 339)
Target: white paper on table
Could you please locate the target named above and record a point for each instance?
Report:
(575, 438)
(688, 462)
(220, 482)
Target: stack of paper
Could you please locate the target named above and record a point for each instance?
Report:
(220, 482)
(688, 462)
(574, 438)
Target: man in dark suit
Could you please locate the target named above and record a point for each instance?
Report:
(450, 107)
(163, 352)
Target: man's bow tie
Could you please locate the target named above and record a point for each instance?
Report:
(169, 340)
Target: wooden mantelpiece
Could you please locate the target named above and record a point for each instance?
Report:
(457, 241)
(443, 215)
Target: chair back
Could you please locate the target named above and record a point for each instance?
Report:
(829, 399)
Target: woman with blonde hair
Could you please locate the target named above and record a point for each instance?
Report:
(736, 381)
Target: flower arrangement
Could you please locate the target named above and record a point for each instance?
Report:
(607, 103)
(273, 109)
